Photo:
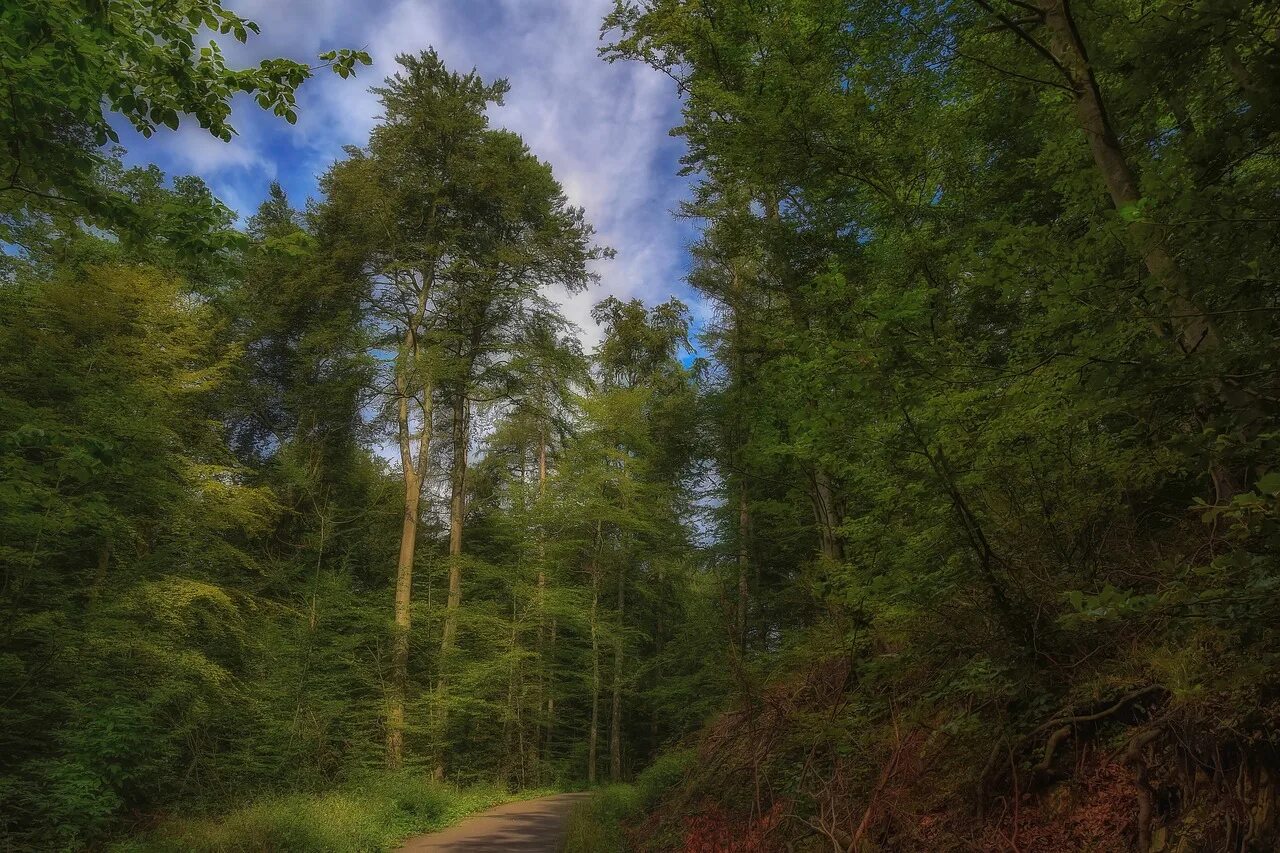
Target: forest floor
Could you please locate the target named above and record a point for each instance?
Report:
(534, 826)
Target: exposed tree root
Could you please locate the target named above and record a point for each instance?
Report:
(1133, 759)
(1061, 728)
(1069, 724)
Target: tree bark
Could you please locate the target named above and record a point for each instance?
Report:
(551, 696)
(400, 635)
(744, 567)
(551, 628)
(411, 472)
(512, 727)
(100, 575)
(542, 464)
(615, 719)
(1133, 759)
(826, 510)
(457, 507)
(541, 603)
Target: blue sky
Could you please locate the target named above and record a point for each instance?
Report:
(604, 128)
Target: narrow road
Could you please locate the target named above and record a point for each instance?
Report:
(530, 826)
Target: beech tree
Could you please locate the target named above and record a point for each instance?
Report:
(525, 238)
(69, 67)
(458, 228)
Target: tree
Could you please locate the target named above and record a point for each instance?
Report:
(119, 517)
(302, 378)
(456, 228)
(397, 214)
(941, 237)
(68, 66)
(623, 482)
(525, 238)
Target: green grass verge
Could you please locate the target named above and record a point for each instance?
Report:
(374, 813)
(596, 825)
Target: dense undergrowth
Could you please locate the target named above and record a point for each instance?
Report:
(839, 755)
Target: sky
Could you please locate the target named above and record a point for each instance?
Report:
(602, 127)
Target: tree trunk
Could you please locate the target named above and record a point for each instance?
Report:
(551, 696)
(541, 603)
(615, 719)
(594, 732)
(100, 575)
(1190, 326)
(659, 643)
(400, 635)
(512, 725)
(542, 464)
(1193, 329)
(744, 531)
(826, 510)
(457, 506)
(411, 473)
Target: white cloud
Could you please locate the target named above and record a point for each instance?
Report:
(192, 148)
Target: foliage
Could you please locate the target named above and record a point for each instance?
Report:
(599, 824)
(199, 528)
(596, 826)
(69, 66)
(991, 402)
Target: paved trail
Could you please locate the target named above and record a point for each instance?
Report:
(531, 826)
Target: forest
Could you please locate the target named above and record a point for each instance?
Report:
(956, 527)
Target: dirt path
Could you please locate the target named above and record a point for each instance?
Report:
(534, 826)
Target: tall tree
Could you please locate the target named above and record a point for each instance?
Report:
(401, 209)
(629, 470)
(525, 237)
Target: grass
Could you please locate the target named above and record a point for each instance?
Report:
(596, 825)
(370, 814)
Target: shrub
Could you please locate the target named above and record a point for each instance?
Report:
(597, 825)
(664, 774)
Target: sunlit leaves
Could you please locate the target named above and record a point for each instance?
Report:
(70, 74)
